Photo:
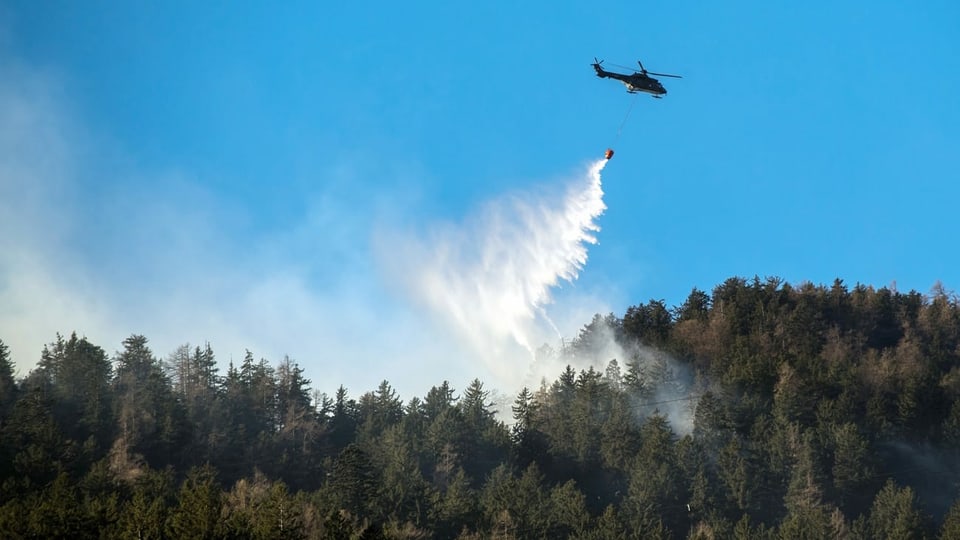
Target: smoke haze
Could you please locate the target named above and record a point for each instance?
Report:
(96, 243)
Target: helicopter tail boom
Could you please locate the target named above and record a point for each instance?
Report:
(600, 71)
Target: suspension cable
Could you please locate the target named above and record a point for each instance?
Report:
(627, 116)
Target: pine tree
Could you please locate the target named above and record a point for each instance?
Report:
(80, 374)
(276, 515)
(343, 423)
(404, 494)
(655, 482)
(8, 387)
(57, 513)
(39, 449)
(437, 400)
(851, 469)
(197, 514)
(300, 435)
(455, 508)
(950, 530)
(894, 514)
(568, 511)
(8, 396)
(528, 441)
(354, 482)
(145, 513)
(484, 441)
(152, 422)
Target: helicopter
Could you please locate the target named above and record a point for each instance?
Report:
(638, 81)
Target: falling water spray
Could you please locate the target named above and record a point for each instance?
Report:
(491, 276)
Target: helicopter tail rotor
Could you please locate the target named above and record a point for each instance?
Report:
(596, 66)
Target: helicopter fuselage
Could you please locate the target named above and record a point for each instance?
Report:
(652, 87)
(635, 82)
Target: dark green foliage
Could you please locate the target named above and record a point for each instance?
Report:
(951, 524)
(484, 442)
(404, 494)
(656, 489)
(34, 440)
(455, 507)
(851, 467)
(695, 308)
(515, 505)
(80, 374)
(762, 410)
(198, 388)
(152, 422)
(568, 511)
(56, 512)
(894, 514)
(8, 387)
(343, 424)
(299, 432)
(354, 482)
(261, 510)
(607, 527)
(197, 514)
(649, 323)
(378, 411)
(528, 440)
(144, 514)
(8, 396)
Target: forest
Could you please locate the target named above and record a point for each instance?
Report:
(759, 410)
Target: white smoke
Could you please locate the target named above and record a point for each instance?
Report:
(491, 277)
(662, 385)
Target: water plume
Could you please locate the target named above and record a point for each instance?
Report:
(489, 277)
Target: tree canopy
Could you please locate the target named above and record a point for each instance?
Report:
(762, 409)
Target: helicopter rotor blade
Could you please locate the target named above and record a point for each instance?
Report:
(665, 75)
(642, 69)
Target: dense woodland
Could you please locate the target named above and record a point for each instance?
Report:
(762, 410)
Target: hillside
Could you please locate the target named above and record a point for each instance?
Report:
(759, 410)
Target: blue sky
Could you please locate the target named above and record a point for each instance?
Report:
(258, 176)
